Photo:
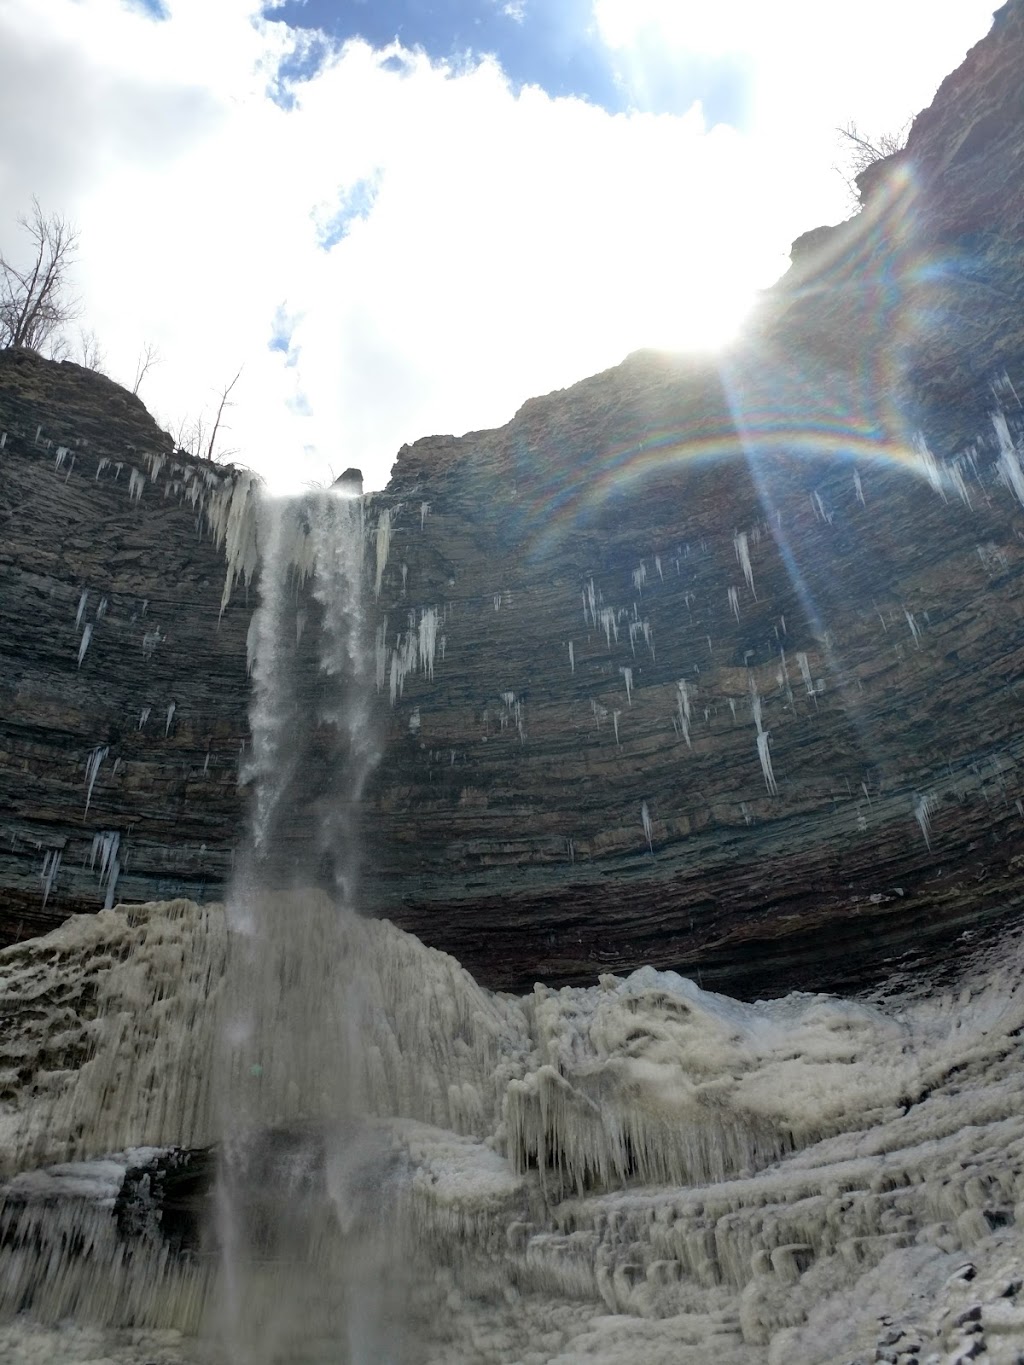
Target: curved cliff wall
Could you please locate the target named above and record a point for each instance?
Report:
(710, 665)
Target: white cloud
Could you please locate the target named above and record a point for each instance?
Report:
(495, 246)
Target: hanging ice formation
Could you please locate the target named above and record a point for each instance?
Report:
(742, 547)
(734, 602)
(805, 672)
(645, 820)
(92, 768)
(684, 710)
(763, 739)
(84, 643)
(923, 815)
(48, 876)
(106, 847)
(1009, 457)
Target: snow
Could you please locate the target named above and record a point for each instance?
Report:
(636, 1170)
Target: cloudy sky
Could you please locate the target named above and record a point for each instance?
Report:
(404, 217)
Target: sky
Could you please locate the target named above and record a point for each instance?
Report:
(400, 218)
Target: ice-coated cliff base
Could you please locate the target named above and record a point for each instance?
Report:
(636, 1172)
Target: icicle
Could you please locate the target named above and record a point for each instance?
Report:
(424, 509)
(956, 478)
(92, 768)
(150, 640)
(84, 645)
(683, 703)
(657, 565)
(570, 850)
(929, 465)
(590, 602)
(915, 629)
(640, 577)
(81, 607)
(734, 602)
(818, 506)
(572, 659)
(428, 639)
(922, 814)
(742, 548)
(105, 846)
(144, 716)
(763, 738)
(609, 622)
(136, 484)
(766, 763)
(51, 867)
(805, 672)
(1009, 459)
(859, 487)
(615, 725)
(627, 677)
(645, 820)
(172, 707)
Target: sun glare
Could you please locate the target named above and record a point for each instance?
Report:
(696, 320)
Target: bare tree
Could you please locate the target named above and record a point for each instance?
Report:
(148, 357)
(859, 150)
(34, 300)
(89, 352)
(191, 433)
(225, 392)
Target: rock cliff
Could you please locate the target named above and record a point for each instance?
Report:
(708, 664)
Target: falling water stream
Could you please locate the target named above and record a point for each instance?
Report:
(296, 1168)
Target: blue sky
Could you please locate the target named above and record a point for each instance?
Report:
(553, 44)
(406, 217)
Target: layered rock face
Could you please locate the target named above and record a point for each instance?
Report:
(122, 687)
(713, 665)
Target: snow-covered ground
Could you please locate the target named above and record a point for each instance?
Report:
(639, 1171)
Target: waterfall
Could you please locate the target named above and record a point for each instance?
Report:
(295, 1160)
